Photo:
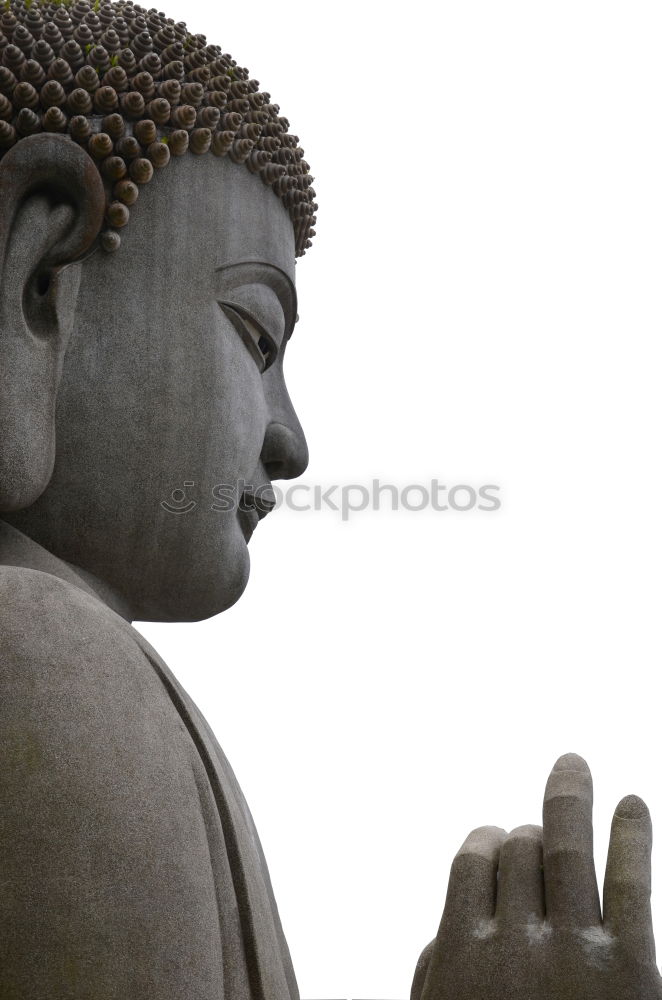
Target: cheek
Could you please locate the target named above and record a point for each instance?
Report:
(205, 413)
(185, 405)
(225, 433)
(238, 400)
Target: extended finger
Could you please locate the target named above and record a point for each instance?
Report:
(628, 876)
(471, 895)
(421, 971)
(520, 888)
(571, 888)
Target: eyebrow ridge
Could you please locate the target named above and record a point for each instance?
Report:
(277, 270)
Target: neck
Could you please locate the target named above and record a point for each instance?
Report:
(16, 549)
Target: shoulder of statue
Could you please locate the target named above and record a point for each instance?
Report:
(103, 821)
(51, 625)
(73, 676)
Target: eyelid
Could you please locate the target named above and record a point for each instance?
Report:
(260, 304)
(266, 274)
(251, 334)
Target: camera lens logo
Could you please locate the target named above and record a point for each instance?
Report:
(178, 502)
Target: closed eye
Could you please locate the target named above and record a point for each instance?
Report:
(259, 343)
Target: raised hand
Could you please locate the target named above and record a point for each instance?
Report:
(522, 919)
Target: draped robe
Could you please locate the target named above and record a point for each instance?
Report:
(130, 866)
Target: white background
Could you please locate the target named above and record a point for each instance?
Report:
(482, 305)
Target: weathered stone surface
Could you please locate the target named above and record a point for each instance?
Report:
(523, 921)
(130, 864)
(131, 867)
(130, 76)
(158, 389)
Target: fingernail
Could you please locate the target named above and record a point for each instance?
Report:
(571, 762)
(484, 841)
(631, 807)
(528, 832)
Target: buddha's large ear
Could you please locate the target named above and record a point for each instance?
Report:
(52, 204)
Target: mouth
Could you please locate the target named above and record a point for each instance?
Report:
(253, 507)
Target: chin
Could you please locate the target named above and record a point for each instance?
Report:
(201, 588)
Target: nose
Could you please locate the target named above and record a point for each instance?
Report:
(284, 452)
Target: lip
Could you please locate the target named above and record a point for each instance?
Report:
(252, 509)
(248, 522)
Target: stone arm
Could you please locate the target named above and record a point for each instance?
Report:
(105, 878)
(523, 919)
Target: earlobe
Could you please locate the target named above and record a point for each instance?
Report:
(52, 205)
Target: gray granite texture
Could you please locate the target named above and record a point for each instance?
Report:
(139, 358)
(134, 387)
(130, 865)
(523, 919)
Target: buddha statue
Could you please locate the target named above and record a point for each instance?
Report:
(153, 204)
(135, 353)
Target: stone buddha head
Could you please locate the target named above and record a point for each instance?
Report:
(152, 207)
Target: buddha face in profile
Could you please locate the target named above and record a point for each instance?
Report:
(158, 367)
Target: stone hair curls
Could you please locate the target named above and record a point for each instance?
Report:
(135, 88)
